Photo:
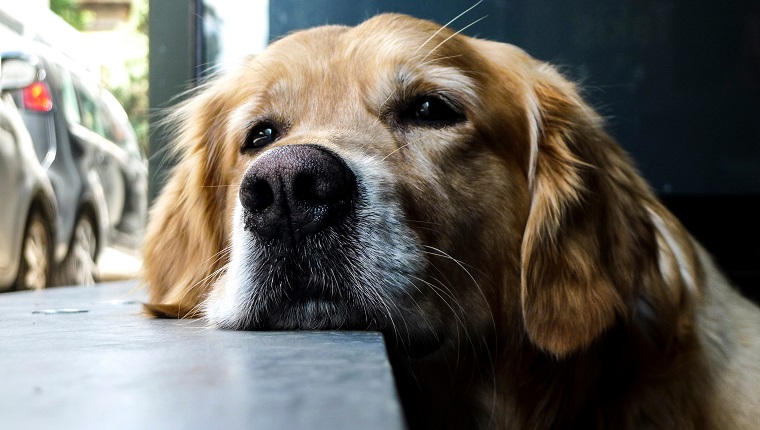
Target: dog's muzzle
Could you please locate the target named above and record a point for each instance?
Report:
(323, 246)
(291, 192)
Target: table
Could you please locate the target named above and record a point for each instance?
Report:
(81, 358)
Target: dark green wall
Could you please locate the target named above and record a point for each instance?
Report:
(171, 73)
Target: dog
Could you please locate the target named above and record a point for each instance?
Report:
(459, 196)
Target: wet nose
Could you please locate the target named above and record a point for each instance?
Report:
(294, 191)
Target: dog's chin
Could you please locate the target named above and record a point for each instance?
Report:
(323, 314)
(314, 314)
(328, 312)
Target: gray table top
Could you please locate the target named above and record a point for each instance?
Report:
(106, 365)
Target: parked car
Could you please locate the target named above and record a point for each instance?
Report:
(28, 216)
(84, 140)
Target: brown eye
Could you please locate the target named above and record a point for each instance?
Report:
(430, 111)
(261, 134)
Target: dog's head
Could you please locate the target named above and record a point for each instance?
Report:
(397, 176)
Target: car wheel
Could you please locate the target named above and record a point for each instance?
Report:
(79, 267)
(35, 267)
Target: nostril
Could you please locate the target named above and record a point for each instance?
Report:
(257, 195)
(264, 195)
(327, 185)
(305, 189)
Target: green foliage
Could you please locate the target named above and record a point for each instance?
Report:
(133, 95)
(140, 16)
(70, 11)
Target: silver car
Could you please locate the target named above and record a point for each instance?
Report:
(27, 204)
(89, 150)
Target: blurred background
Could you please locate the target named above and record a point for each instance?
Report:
(677, 80)
(73, 140)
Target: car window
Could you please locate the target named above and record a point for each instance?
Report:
(115, 132)
(92, 117)
(69, 95)
(120, 129)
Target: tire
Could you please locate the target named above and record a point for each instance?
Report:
(35, 267)
(80, 267)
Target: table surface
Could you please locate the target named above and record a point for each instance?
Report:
(78, 357)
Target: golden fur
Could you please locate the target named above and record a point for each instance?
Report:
(536, 281)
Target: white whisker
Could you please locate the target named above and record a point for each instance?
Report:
(455, 33)
(447, 25)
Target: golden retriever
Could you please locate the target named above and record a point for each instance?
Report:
(459, 196)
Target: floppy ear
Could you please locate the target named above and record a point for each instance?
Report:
(188, 229)
(590, 253)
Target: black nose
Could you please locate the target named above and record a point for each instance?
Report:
(293, 191)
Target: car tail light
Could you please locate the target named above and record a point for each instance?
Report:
(37, 97)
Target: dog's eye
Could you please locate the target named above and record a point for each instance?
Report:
(260, 135)
(431, 111)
